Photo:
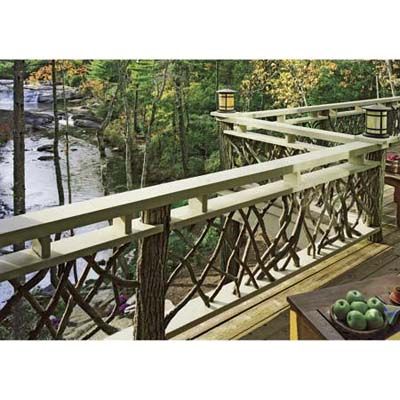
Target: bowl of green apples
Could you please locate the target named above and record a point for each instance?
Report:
(359, 317)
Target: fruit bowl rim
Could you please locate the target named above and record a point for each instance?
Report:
(362, 334)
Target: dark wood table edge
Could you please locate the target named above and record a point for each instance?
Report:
(317, 319)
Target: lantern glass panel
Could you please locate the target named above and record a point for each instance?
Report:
(376, 121)
(230, 102)
(226, 101)
(222, 101)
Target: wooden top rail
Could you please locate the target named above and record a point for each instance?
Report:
(26, 261)
(260, 137)
(321, 117)
(41, 224)
(320, 107)
(335, 137)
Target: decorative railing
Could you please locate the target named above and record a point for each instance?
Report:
(171, 253)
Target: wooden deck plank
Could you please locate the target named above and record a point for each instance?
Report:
(244, 323)
(248, 303)
(388, 262)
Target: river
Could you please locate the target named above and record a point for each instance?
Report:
(41, 190)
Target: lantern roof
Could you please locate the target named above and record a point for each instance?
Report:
(377, 107)
(226, 91)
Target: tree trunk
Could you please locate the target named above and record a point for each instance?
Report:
(216, 83)
(154, 107)
(151, 276)
(180, 119)
(128, 152)
(374, 194)
(390, 74)
(233, 227)
(67, 140)
(145, 168)
(19, 174)
(135, 110)
(60, 188)
(128, 129)
(19, 140)
(101, 143)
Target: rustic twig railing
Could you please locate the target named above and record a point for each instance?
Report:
(241, 229)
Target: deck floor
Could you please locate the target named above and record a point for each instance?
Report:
(386, 263)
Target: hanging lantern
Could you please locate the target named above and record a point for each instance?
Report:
(226, 100)
(376, 121)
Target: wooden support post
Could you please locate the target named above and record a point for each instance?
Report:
(125, 223)
(374, 194)
(151, 276)
(293, 326)
(290, 138)
(240, 128)
(357, 160)
(325, 124)
(199, 204)
(292, 179)
(42, 246)
(359, 109)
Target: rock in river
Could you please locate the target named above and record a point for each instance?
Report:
(45, 147)
(86, 123)
(46, 158)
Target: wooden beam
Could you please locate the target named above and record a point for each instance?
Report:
(64, 250)
(341, 114)
(26, 261)
(335, 137)
(265, 138)
(312, 133)
(320, 107)
(48, 221)
(185, 216)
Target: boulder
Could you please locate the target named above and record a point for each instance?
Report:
(84, 113)
(46, 147)
(86, 123)
(32, 119)
(46, 158)
(36, 119)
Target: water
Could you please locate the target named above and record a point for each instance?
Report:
(31, 99)
(41, 190)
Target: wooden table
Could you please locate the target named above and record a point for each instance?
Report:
(309, 319)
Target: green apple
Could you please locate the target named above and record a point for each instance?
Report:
(341, 308)
(374, 319)
(356, 320)
(354, 295)
(374, 302)
(359, 306)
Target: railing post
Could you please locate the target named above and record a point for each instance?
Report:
(374, 194)
(151, 276)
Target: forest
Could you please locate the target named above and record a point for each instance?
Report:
(72, 130)
(155, 113)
